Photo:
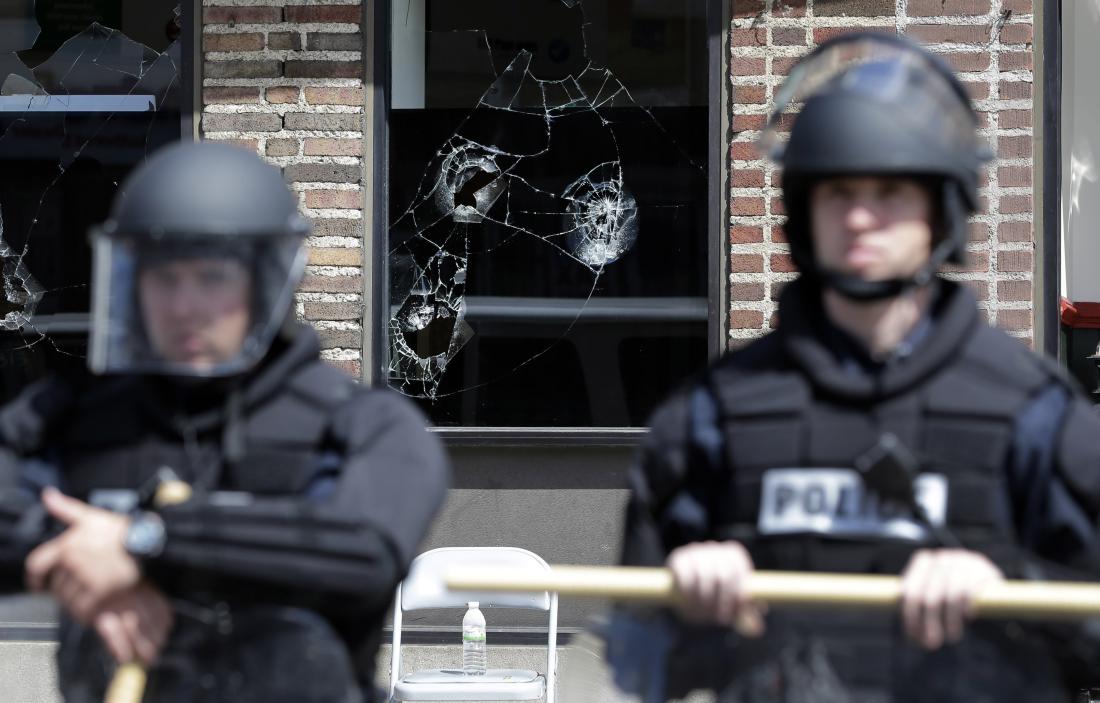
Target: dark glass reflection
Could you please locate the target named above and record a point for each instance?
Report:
(87, 91)
(548, 189)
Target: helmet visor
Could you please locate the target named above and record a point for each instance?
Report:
(885, 69)
(198, 307)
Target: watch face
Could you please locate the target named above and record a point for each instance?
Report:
(145, 537)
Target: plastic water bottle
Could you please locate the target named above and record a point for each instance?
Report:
(473, 641)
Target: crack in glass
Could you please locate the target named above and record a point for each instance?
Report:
(21, 291)
(474, 179)
(65, 110)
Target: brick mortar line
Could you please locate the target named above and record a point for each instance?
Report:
(325, 213)
(281, 26)
(829, 21)
(333, 242)
(283, 55)
(347, 325)
(320, 297)
(966, 77)
(282, 82)
(269, 108)
(277, 3)
(267, 28)
(286, 134)
(333, 271)
(305, 186)
(341, 354)
(317, 161)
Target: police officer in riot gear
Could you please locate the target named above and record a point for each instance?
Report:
(882, 428)
(310, 492)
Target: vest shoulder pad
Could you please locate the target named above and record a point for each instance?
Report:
(759, 380)
(302, 411)
(994, 376)
(1006, 362)
(24, 422)
(321, 384)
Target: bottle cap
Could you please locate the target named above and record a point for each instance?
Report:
(472, 604)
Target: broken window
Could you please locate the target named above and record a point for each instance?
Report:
(88, 89)
(548, 184)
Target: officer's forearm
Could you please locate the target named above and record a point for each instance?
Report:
(281, 543)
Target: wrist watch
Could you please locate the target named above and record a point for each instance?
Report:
(145, 537)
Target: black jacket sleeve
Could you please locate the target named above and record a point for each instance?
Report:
(358, 542)
(658, 504)
(24, 426)
(1054, 483)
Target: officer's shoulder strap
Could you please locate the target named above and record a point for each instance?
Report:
(27, 421)
(1006, 362)
(742, 382)
(321, 385)
(305, 409)
(758, 379)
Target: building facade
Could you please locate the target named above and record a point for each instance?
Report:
(535, 218)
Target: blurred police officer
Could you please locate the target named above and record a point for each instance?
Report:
(310, 492)
(882, 428)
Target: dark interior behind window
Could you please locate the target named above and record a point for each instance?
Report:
(87, 91)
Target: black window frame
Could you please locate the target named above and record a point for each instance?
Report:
(377, 20)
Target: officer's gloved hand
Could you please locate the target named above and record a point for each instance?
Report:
(712, 580)
(939, 587)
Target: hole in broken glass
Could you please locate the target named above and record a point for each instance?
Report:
(602, 215)
(471, 184)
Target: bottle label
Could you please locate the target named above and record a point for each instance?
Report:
(473, 636)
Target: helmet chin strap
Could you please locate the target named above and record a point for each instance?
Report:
(864, 291)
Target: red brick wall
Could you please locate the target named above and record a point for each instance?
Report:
(988, 41)
(284, 78)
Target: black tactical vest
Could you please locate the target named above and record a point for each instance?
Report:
(780, 407)
(121, 435)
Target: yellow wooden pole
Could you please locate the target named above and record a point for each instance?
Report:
(1030, 599)
(128, 683)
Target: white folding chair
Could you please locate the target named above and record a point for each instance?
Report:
(424, 588)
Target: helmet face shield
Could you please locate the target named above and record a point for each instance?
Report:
(189, 306)
(881, 72)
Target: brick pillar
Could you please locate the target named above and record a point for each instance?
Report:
(284, 78)
(988, 41)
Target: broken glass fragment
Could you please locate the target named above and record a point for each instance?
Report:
(21, 291)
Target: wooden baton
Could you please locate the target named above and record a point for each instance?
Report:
(128, 683)
(1024, 599)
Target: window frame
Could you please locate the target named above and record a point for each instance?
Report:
(376, 216)
(190, 119)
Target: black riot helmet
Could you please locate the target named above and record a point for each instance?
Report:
(195, 201)
(877, 105)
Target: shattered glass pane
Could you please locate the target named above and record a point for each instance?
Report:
(548, 190)
(88, 89)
